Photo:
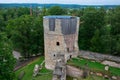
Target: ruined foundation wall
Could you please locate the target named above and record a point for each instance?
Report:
(74, 72)
(104, 59)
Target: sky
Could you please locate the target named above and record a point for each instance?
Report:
(82, 2)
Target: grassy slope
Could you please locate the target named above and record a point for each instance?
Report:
(94, 66)
(29, 71)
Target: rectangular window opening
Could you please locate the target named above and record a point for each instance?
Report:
(67, 49)
(57, 43)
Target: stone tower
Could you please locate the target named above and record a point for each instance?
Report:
(60, 38)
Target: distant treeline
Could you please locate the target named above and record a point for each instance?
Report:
(13, 5)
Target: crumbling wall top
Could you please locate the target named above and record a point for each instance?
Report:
(60, 17)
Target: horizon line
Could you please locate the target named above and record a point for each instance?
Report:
(62, 3)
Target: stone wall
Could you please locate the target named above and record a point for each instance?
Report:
(59, 72)
(59, 38)
(16, 54)
(104, 59)
(73, 72)
(80, 73)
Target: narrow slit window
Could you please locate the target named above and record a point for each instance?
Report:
(73, 48)
(67, 49)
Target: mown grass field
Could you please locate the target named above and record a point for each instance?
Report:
(47, 74)
(93, 66)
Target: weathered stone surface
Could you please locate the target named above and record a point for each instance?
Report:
(114, 77)
(105, 59)
(118, 77)
(91, 73)
(99, 74)
(74, 72)
(106, 68)
(16, 55)
(59, 72)
(56, 42)
(36, 70)
(74, 79)
(111, 63)
(106, 76)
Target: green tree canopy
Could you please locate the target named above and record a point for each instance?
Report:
(92, 19)
(2, 24)
(7, 61)
(26, 33)
(115, 31)
(115, 21)
(56, 10)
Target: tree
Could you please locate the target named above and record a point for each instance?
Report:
(44, 11)
(106, 39)
(96, 42)
(56, 10)
(12, 13)
(76, 12)
(90, 23)
(7, 61)
(115, 30)
(115, 21)
(27, 34)
(2, 24)
(118, 46)
(22, 11)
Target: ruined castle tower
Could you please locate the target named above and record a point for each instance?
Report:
(60, 38)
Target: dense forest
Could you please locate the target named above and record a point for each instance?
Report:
(99, 28)
(21, 29)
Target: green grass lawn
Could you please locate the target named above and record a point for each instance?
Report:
(47, 74)
(28, 69)
(93, 66)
